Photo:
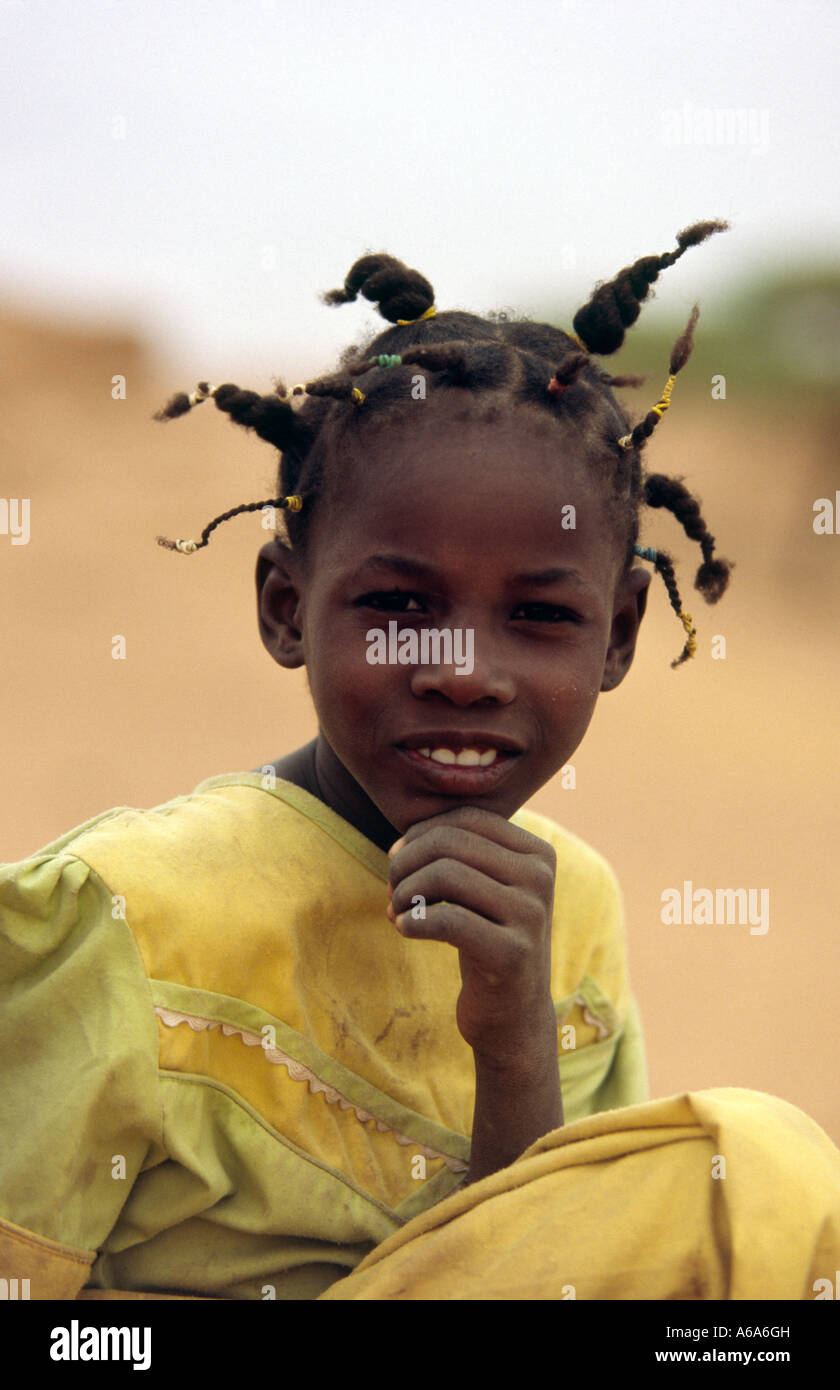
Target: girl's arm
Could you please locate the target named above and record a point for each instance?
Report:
(514, 1106)
(488, 886)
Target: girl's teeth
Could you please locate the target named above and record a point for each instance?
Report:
(467, 757)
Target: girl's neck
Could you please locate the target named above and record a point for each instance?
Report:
(316, 769)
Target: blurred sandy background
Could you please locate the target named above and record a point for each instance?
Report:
(723, 772)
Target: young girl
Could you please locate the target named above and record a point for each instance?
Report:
(360, 1009)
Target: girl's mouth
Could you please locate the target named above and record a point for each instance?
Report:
(464, 757)
(463, 770)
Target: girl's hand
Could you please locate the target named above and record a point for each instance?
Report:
(488, 889)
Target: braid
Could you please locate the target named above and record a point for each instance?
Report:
(713, 575)
(339, 387)
(600, 324)
(175, 406)
(464, 364)
(526, 362)
(400, 293)
(568, 372)
(680, 353)
(439, 357)
(664, 566)
(271, 417)
(188, 547)
(181, 403)
(268, 416)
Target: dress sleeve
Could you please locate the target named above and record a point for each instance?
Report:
(79, 1105)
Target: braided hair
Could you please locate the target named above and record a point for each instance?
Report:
(518, 360)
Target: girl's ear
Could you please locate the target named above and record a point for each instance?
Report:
(279, 604)
(630, 604)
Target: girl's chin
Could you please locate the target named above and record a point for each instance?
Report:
(432, 789)
(411, 809)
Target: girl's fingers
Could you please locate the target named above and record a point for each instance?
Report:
(451, 881)
(497, 951)
(509, 856)
(469, 849)
(488, 825)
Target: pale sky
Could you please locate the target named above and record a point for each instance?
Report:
(202, 170)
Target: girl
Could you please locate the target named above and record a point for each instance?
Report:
(361, 1010)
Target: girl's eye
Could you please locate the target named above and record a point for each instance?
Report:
(545, 613)
(391, 601)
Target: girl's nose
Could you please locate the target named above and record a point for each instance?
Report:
(473, 673)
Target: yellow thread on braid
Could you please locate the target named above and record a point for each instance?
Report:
(575, 339)
(662, 405)
(429, 314)
(293, 503)
(626, 440)
(357, 396)
(685, 619)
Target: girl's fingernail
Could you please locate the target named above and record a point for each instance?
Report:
(389, 911)
(397, 845)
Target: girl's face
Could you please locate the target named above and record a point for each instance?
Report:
(488, 531)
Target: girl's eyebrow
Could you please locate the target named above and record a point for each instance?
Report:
(553, 576)
(415, 569)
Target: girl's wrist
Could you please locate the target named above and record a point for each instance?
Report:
(517, 1065)
(514, 1106)
(520, 1053)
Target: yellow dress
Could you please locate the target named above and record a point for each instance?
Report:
(226, 1074)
